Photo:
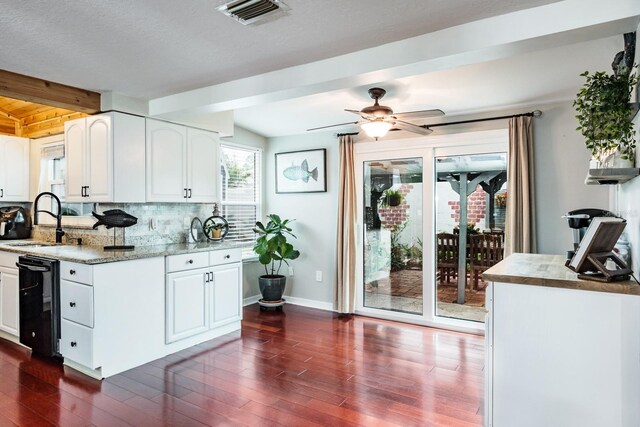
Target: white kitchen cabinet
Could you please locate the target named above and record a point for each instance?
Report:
(561, 357)
(105, 159)
(9, 297)
(226, 294)
(202, 301)
(14, 169)
(182, 163)
(187, 303)
(112, 315)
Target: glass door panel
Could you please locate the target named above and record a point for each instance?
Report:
(393, 235)
(470, 207)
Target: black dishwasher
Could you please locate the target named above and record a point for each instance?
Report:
(39, 287)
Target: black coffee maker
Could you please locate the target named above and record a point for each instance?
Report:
(15, 223)
(579, 221)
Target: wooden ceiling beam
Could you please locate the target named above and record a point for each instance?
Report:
(8, 115)
(45, 92)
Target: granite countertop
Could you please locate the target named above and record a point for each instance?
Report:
(97, 255)
(550, 271)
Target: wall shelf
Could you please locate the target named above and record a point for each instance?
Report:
(611, 176)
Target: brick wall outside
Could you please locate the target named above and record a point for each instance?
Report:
(476, 206)
(393, 217)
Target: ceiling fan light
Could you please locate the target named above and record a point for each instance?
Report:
(376, 129)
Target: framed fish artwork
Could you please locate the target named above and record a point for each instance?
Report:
(301, 171)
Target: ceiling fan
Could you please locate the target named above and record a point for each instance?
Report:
(378, 119)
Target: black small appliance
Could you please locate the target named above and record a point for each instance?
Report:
(15, 223)
(579, 221)
(39, 287)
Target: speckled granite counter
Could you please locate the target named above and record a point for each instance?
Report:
(97, 255)
(550, 271)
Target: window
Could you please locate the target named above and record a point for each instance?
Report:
(241, 192)
(52, 172)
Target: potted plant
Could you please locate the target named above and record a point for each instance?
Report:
(391, 197)
(501, 199)
(273, 249)
(605, 116)
(214, 229)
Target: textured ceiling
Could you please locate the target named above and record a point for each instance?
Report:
(151, 48)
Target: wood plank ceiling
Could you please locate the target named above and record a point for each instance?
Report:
(32, 108)
(31, 120)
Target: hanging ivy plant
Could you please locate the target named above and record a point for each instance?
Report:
(604, 113)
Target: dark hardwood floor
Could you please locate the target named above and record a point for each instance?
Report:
(302, 367)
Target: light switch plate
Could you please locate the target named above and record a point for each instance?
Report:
(318, 276)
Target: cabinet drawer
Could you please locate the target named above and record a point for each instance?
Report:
(187, 261)
(81, 273)
(76, 302)
(225, 256)
(76, 343)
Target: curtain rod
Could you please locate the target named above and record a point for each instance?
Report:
(535, 113)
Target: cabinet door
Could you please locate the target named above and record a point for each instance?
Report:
(166, 162)
(187, 304)
(226, 294)
(9, 308)
(99, 159)
(202, 166)
(75, 155)
(14, 162)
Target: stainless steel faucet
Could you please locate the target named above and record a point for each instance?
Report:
(59, 231)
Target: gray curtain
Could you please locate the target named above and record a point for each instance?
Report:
(520, 233)
(344, 301)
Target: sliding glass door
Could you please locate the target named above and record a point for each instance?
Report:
(393, 235)
(415, 262)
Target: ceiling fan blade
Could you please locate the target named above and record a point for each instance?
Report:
(361, 114)
(418, 114)
(410, 127)
(332, 126)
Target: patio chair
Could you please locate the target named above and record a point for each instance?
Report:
(447, 245)
(486, 251)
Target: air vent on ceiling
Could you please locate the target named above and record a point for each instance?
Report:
(251, 11)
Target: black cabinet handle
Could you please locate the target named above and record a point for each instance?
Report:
(190, 261)
(82, 191)
(1, 192)
(72, 272)
(72, 304)
(189, 194)
(185, 193)
(74, 344)
(227, 256)
(86, 192)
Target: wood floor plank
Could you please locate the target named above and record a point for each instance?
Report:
(303, 367)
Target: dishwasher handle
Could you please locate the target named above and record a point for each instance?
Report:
(37, 268)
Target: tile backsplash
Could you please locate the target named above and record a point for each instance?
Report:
(169, 220)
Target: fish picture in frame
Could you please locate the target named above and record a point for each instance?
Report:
(301, 171)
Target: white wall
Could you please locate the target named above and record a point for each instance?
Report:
(315, 215)
(562, 162)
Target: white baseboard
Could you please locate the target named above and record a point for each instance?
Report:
(321, 305)
(251, 300)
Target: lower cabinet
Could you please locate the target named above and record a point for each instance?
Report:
(9, 296)
(202, 299)
(9, 305)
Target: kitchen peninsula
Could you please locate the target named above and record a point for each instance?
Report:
(121, 309)
(560, 350)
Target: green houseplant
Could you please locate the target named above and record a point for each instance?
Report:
(273, 249)
(605, 114)
(391, 197)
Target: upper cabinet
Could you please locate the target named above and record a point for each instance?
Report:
(182, 163)
(105, 158)
(14, 169)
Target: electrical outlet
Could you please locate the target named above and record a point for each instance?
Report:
(318, 276)
(290, 271)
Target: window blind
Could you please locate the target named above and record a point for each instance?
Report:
(241, 185)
